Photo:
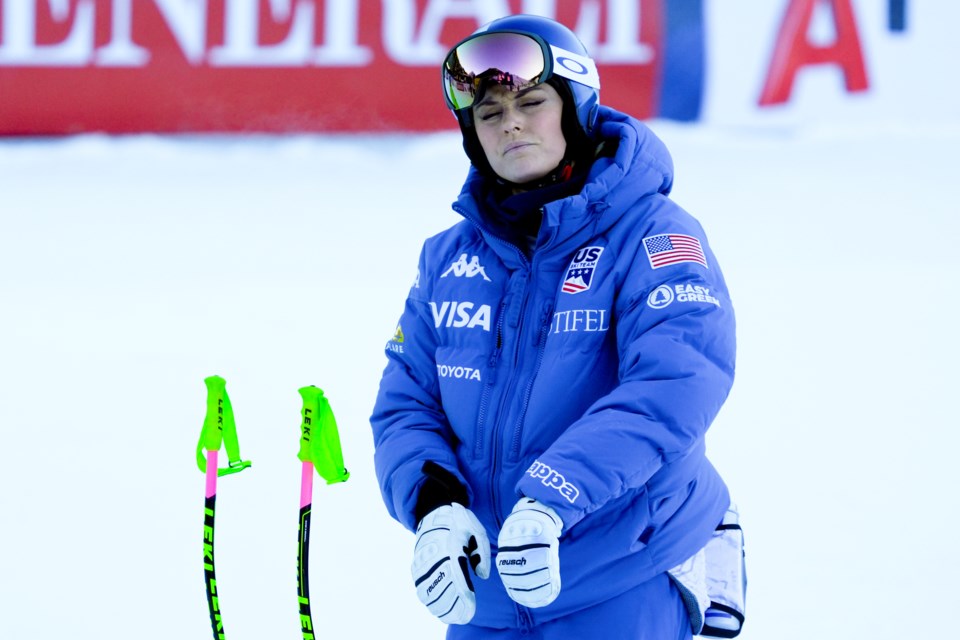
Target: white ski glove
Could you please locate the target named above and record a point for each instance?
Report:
(450, 541)
(529, 553)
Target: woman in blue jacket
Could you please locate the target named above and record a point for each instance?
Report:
(562, 352)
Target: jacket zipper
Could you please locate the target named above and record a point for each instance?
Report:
(526, 618)
(495, 445)
(483, 229)
(540, 344)
(498, 424)
(490, 381)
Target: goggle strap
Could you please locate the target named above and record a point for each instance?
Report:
(576, 67)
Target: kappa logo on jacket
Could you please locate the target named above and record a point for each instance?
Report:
(580, 272)
(553, 479)
(461, 268)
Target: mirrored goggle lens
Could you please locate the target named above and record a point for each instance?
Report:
(512, 60)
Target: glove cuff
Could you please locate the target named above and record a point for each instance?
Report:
(532, 504)
(439, 488)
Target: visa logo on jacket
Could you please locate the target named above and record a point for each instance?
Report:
(460, 315)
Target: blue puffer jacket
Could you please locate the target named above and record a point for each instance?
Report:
(585, 377)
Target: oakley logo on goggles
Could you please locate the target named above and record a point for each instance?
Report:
(513, 60)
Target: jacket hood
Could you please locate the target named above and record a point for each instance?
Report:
(639, 166)
(640, 154)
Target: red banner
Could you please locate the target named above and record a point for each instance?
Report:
(122, 66)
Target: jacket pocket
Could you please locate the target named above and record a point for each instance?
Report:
(461, 376)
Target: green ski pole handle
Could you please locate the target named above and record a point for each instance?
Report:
(320, 450)
(218, 427)
(319, 437)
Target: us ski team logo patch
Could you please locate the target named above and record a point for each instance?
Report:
(580, 272)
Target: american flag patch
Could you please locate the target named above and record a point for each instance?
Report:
(673, 248)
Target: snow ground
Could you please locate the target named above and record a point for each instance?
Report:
(131, 268)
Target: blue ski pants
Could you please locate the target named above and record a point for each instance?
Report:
(650, 611)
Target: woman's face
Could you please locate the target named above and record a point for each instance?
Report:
(520, 131)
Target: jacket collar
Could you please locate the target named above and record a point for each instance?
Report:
(639, 166)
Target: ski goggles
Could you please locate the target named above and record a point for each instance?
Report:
(513, 60)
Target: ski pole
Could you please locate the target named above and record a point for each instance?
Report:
(320, 450)
(218, 426)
